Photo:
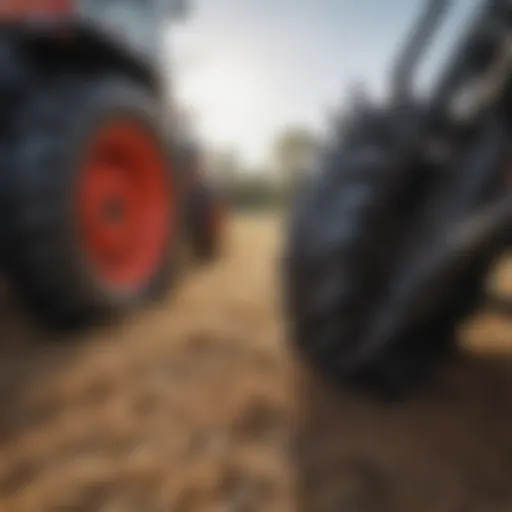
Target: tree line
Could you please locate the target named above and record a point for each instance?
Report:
(292, 159)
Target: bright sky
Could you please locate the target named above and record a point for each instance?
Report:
(249, 68)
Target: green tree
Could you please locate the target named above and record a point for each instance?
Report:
(226, 167)
(255, 191)
(294, 153)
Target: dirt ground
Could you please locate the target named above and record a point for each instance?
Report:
(197, 405)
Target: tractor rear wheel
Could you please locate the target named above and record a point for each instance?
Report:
(92, 203)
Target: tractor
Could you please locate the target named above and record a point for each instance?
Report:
(389, 247)
(94, 172)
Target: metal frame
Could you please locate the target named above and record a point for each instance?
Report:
(472, 216)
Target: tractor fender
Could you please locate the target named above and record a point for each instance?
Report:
(79, 45)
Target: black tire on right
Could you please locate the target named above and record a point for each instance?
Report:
(344, 238)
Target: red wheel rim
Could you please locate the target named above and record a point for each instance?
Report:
(125, 205)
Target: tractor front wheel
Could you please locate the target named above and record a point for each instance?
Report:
(92, 206)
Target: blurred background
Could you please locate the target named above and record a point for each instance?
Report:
(263, 84)
(197, 404)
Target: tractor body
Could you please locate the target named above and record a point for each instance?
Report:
(92, 170)
(91, 36)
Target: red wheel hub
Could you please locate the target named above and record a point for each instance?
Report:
(125, 205)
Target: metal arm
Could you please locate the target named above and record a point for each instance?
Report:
(416, 44)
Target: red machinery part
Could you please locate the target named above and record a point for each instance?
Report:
(15, 9)
(124, 205)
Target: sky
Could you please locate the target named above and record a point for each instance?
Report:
(250, 68)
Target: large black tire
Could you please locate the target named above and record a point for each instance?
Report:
(45, 257)
(344, 243)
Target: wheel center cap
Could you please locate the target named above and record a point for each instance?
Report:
(114, 211)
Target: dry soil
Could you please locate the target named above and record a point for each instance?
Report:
(197, 405)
